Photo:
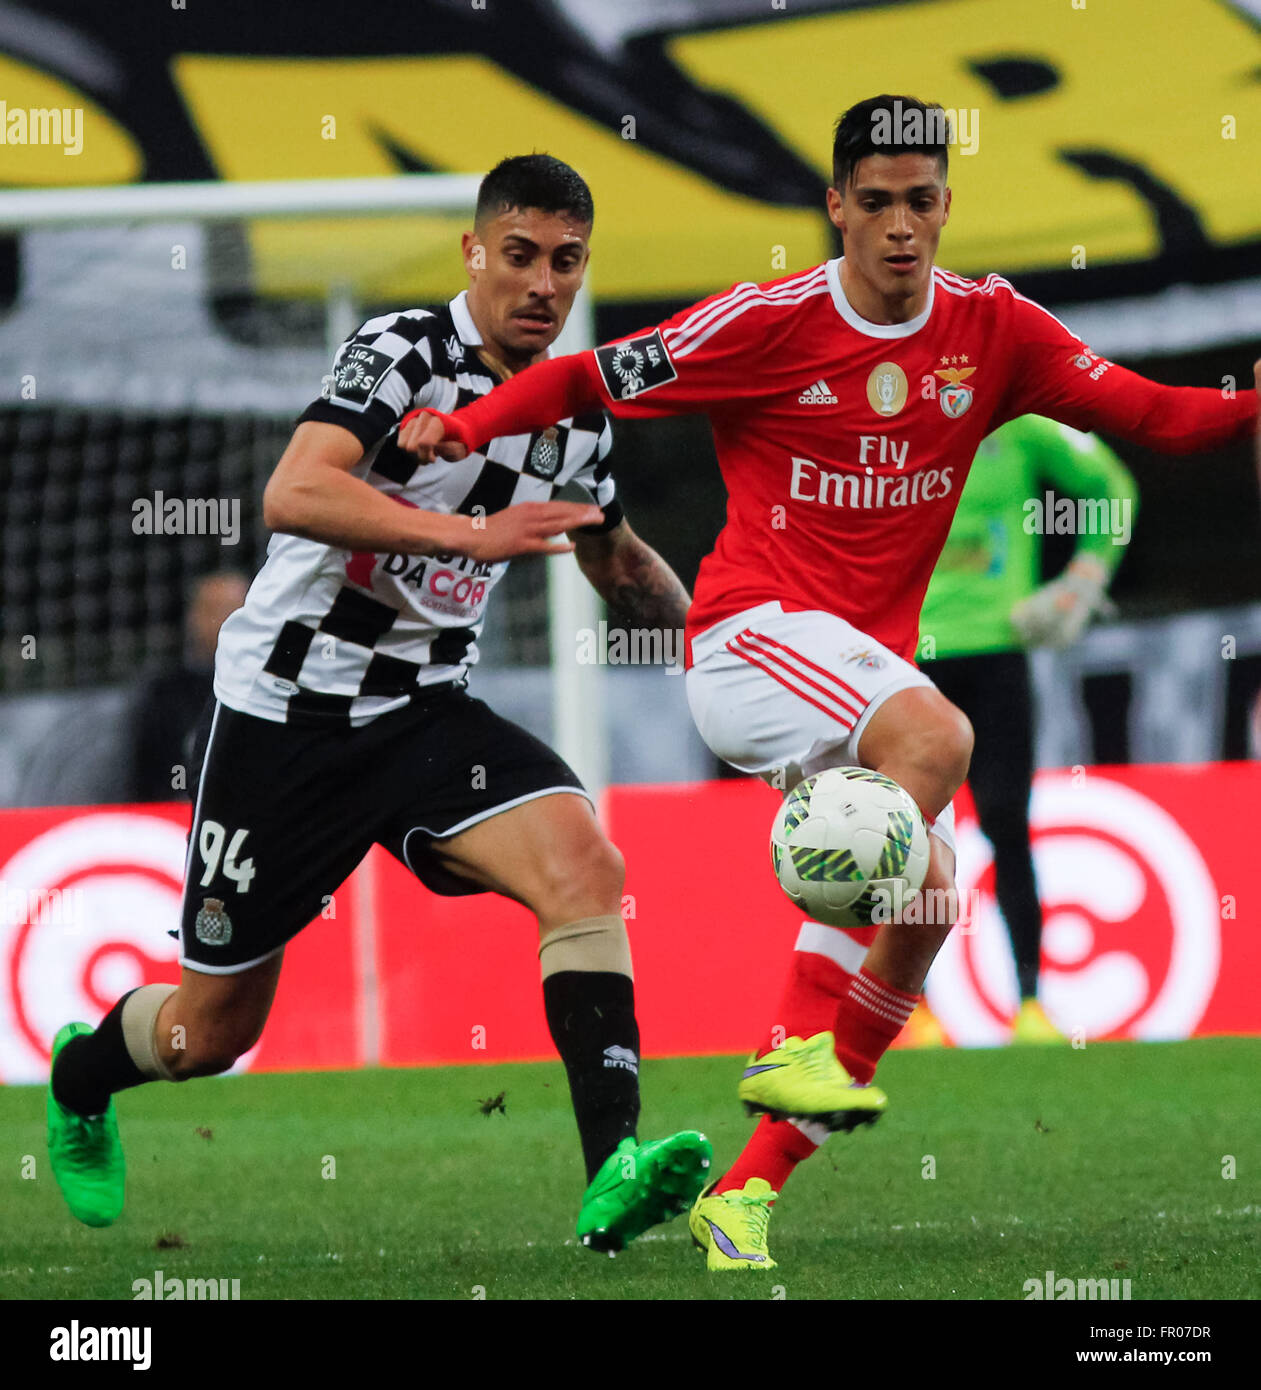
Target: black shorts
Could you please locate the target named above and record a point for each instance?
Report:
(284, 812)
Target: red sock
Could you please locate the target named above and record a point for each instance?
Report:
(868, 1019)
(822, 967)
(774, 1149)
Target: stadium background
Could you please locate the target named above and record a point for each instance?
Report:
(1128, 205)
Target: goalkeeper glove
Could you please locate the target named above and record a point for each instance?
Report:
(1056, 614)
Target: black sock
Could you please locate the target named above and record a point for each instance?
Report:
(1017, 893)
(90, 1068)
(591, 1014)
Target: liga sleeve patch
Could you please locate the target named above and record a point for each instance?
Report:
(356, 375)
(637, 365)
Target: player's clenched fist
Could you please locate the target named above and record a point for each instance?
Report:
(529, 528)
(423, 433)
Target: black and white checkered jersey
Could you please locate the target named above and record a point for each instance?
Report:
(332, 634)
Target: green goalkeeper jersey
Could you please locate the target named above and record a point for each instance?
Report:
(992, 556)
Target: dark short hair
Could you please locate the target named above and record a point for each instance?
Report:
(880, 125)
(534, 181)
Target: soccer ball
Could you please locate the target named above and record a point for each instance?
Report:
(849, 846)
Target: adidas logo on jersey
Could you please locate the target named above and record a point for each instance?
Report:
(818, 394)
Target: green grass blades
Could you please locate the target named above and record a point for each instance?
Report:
(989, 1169)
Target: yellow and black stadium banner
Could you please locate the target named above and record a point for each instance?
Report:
(1104, 148)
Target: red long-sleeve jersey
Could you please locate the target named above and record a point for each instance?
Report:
(844, 444)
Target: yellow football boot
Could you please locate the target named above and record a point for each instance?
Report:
(1033, 1026)
(802, 1079)
(731, 1228)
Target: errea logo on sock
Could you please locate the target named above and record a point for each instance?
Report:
(616, 1056)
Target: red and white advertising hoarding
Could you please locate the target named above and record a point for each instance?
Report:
(1150, 932)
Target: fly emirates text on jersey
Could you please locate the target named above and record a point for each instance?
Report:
(811, 482)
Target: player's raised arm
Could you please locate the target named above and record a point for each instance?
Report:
(531, 400)
(1057, 375)
(313, 494)
(708, 358)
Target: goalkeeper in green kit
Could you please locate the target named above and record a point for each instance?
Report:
(984, 607)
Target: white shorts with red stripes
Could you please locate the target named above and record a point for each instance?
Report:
(785, 695)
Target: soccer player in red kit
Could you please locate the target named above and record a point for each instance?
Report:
(847, 402)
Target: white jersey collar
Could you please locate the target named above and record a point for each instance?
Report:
(463, 320)
(860, 324)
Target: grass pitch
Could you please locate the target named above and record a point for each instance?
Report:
(990, 1168)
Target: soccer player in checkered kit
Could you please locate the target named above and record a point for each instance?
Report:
(342, 718)
(847, 402)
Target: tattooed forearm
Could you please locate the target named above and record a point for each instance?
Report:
(644, 590)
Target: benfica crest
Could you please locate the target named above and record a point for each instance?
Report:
(213, 925)
(954, 397)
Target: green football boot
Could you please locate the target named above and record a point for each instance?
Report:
(85, 1153)
(804, 1080)
(640, 1185)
